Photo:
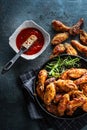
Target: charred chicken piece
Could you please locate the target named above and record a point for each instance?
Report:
(70, 50)
(81, 80)
(59, 38)
(58, 49)
(62, 106)
(83, 37)
(59, 26)
(65, 85)
(49, 94)
(74, 30)
(81, 48)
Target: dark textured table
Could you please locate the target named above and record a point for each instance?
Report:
(13, 109)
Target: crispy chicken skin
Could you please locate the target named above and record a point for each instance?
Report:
(57, 98)
(81, 48)
(42, 78)
(75, 29)
(52, 108)
(58, 49)
(62, 106)
(73, 73)
(83, 37)
(59, 26)
(70, 50)
(59, 38)
(76, 72)
(79, 99)
(83, 88)
(49, 80)
(65, 85)
(81, 80)
(50, 93)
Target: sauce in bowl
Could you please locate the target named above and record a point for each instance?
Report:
(23, 36)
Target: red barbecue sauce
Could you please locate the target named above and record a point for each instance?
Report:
(23, 36)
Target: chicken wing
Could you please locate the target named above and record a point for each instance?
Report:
(70, 50)
(59, 38)
(65, 85)
(62, 106)
(83, 37)
(59, 26)
(74, 30)
(76, 72)
(41, 78)
(50, 93)
(73, 105)
(58, 49)
(81, 48)
(81, 80)
(49, 80)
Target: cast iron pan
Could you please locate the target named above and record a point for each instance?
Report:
(79, 112)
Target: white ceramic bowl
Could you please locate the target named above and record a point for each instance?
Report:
(27, 24)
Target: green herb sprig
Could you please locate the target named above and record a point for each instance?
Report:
(59, 65)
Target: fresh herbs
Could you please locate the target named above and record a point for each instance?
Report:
(59, 65)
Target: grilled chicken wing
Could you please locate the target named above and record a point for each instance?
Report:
(59, 38)
(65, 85)
(70, 50)
(49, 80)
(73, 105)
(50, 93)
(76, 72)
(81, 80)
(58, 49)
(81, 48)
(59, 26)
(41, 78)
(62, 106)
(83, 37)
(74, 30)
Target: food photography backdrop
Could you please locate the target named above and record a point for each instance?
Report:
(14, 114)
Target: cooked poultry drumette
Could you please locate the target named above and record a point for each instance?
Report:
(75, 29)
(81, 80)
(73, 73)
(49, 94)
(70, 50)
(59, 38)
(78, 100)
(62, 106)
(58, 49)
(81, 48)
(65, 85)
(59, 26)
(83, 37)
(41, 80)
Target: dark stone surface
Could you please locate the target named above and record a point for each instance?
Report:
(13, 110)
